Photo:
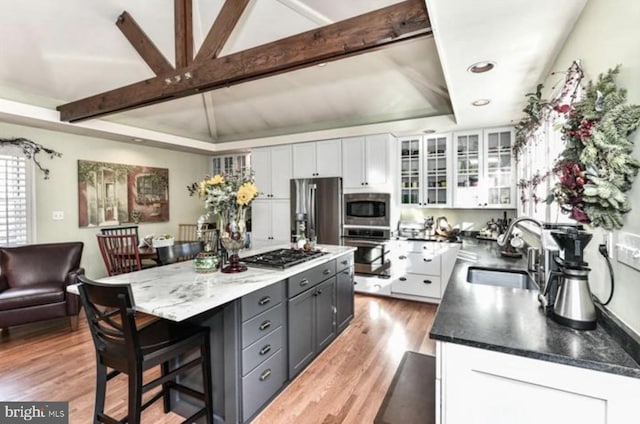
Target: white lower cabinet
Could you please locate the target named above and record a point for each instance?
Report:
(420, 270)
(486, 387)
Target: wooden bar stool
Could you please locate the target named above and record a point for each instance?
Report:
(124, 348)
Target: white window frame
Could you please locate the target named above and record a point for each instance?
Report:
(31, 192)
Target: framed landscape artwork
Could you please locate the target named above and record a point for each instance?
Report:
(112, 193)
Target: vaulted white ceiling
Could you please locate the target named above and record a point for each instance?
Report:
(54, 52)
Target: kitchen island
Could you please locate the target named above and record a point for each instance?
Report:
(501, 360)
(266, 325)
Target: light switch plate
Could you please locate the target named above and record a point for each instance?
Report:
(57, 215)
(629, 249)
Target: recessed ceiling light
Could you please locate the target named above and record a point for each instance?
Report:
(480, 67)
(481, 102)
(137, 140)
(322, 65)
(429, 131)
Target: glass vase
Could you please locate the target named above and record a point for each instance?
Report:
(232, 236)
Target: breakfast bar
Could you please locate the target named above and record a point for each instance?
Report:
(266, 325)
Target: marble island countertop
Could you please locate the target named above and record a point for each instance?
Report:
(177, 292)
(509, 320)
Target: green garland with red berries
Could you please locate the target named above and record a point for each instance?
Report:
(596, 168)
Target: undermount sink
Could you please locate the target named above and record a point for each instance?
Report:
(516, 279)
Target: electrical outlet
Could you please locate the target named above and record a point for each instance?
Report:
(607, 240)
(629, 249)
(57, 215)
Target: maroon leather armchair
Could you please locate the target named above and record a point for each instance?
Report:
(34, 280)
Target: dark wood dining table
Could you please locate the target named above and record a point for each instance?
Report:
(147, 252)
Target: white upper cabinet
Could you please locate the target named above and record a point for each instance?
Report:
(317, 159)
(425, 170)
(365, 162)
(353, 162)
(468, 169)
(499, 167)
(231, 163)
(484, 169)
(272, 167)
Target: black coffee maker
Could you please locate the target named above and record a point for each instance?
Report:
(573, 305)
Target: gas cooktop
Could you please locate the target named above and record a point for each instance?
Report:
(282, 258)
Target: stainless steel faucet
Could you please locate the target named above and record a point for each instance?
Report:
(504, 238)
(540, 260)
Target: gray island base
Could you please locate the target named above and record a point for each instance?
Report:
(266, 325)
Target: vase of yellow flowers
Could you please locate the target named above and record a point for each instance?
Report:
(228, 196)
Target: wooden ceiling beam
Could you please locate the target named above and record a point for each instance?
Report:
(143, 44)
(221, 30)
(361, 34)
(183, 16)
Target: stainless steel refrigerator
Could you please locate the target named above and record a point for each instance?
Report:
(317, 204)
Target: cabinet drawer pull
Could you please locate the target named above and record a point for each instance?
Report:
(424, 247)
(304, 282)
(326, 272)
(265, 325)
(426, 281)
(426, 260)
(345, 262)
(264, 300)
(265, 375)
(347, 272)
(402, 257)
(403, 279)
(265, 350)
(319, 292)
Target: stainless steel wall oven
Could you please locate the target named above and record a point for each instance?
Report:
(372, 254)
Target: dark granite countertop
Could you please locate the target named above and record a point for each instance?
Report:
(509, 320)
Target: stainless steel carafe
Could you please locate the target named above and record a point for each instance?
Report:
(573, 305)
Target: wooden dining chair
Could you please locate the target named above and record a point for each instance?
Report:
(120, 253)
(187, 232)
(121, 230)
(123, 347)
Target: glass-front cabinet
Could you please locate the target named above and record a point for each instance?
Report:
(500, 167)
(468, 169)
(484, 169)
(425, 170)
(228, 164)
(437, 170)
(410, 148)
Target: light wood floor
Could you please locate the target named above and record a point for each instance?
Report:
(345, 384)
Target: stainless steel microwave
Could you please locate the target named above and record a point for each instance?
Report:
(370, 209)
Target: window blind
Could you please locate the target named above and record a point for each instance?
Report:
(14, 213)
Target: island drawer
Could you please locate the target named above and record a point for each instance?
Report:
(423, 263)
(416, 285)
(261, 325)
(305, 280)
(345, 261)
(261, 300)
(262, 383)
(262, 350)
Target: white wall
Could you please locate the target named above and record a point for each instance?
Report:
(608, 34)
(60, 192)
(467, 219)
